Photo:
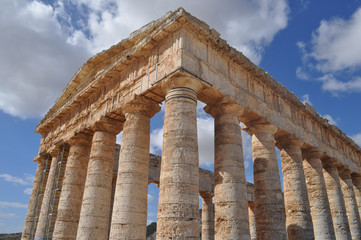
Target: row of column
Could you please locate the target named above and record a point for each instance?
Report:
(306, 210)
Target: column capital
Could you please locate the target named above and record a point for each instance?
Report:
(356, 176)
(344, 172)
(107, 124)
(80, 138)
(259, 125)
(288, 141)
(311, 153)
(224, 105)
(141, 105)
(181, 81)
(53, 151)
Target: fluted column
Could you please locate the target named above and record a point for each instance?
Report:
(317, 195)
(129, 217)
(230, 190)
(30, 214)
(356, 180)
(298, 214)
(178, 208)
(44, 211)
(95, 209)
(70, 201)
(351, 203)
(335, 198)
(207, 218)
(252, 221)
(269, 210)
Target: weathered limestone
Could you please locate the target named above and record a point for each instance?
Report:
(95, 209)
(71, 196)
(317, 195)
(178, 216)
(356, 180)
(44, 211)
(30, 214)
(230, 190)
(351, 203)
(269, 210)
(252, 221)
(207, 218)
(129, 217)
(335, 198)
(298, 213)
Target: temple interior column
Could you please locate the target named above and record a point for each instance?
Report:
(298, 214)
(356, 180)
(95, 209)
(351, 203)
(44, 211)
(230, 190)
(129, 217)
(252, 221)
(269, 210)
(207, 218)
(335, 198)
(71, 196)
(317, 195)
(178, 207)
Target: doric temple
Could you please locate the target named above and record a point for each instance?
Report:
(86, 188)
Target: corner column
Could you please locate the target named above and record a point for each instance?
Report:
(269, 205)
(44, 211)
(178, 208)
(335, 198)
(129, 217)
(316, 188)
(207, 218)
(95, 209)
(71, 195)
(230, 189)
(356, 180)
(298, 214)
(350, 202)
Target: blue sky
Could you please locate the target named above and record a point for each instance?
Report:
(311, 47)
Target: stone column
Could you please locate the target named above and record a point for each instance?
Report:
(317, 195)
(207, 218)
(30, 214)
(269, 210)
(178, 208)
(351, 204)
(95, 209)
(44, 211)
(230, 190)
(356, 180)
(298, 214)
(252, 221)
(335, 198)
(129, 217)
(71, 195)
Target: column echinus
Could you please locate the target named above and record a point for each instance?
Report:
(207, 217)
(356, 180)
(71, 195)
(95, 209)
(230, 190)
(335, 198)
(317, 195)
(350, 202)
(178, 207)
(297, 207)
(30, 215)
(129, 216)
(269, 205)
(44, 211)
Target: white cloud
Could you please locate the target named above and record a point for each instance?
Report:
(306, 99)
(156, 141)
(206, 141)
(28, 191)
(247, 149)
(357, 138)
(12, 205)
(27, 180)
(7, 215)
(150, 198)
(330, 119)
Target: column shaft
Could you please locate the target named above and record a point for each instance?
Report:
(252, 221)
(70, 201)
(298, 214)
(30, 215)
(320, 207)
(129, 217)
(356, 180)
(207, 218)
(95, 209)
(44, 211)
(351, 204)
(270, 214)
(337, 204)
(178, 208)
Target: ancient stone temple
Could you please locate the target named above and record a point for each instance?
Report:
(81, 191)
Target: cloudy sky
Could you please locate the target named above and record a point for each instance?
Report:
(311, 47)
